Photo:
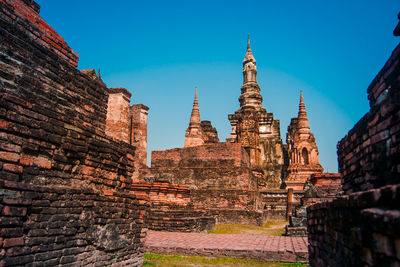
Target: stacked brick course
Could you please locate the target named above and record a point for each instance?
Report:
(171, 208)
(361, 228)
(220, 178)
(47, 226)
(65, 185)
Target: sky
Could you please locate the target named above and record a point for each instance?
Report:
(161, 50)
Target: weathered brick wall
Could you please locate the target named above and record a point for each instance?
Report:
(275, 203)
(65, 186)
(48, 225)
(369, 155)
(216, 166)
(361, 228)
(230, 206)
(171, 208)
(210, 155)
(327, 185)
(220, 178)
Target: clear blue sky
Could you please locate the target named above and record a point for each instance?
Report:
(161, 50)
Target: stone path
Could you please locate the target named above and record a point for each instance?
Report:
(267, 248)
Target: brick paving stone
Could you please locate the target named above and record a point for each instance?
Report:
(267, 248)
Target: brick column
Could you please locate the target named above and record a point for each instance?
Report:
(138, 131)
(118, 122)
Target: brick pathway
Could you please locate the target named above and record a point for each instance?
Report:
(267, 248)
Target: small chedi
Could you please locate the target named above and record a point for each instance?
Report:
(302, 150)
(194, 134)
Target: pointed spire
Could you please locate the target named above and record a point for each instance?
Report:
(99, 74)
(194, 135)
(302, 115)
(302, 106)
(195, 117)
(249, 54)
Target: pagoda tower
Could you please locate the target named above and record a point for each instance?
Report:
(194, 134)
(302, 150)
(256, 129)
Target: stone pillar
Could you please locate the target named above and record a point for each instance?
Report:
(118, 117)
(289, 208)
(138, 131)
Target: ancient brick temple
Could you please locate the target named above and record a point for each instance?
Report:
(245, 179)
(256, 129)
(302, 150)
(361, 228)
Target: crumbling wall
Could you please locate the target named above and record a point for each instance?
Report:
(210, 132)
(361, 228)
(51, 225)
(275, 203)
(369, 155)
(220, 178)
(320, 187)
(65, 186)
(171, 208)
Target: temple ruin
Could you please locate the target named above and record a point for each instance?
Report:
(75, 187)
(251, 172)
(302, 150)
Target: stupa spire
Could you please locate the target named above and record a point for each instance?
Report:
(195, 117)
(194, 134)
(303, 123)
(249, 54)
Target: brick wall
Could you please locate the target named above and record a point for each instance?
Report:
(48, 225)
(65, 193)
(369, 155)
(361, 228)
(327, 185)
(171, 208)
(219, 176)
(210, 155)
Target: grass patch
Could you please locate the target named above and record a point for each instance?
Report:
(158, 260)
(269, 228)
